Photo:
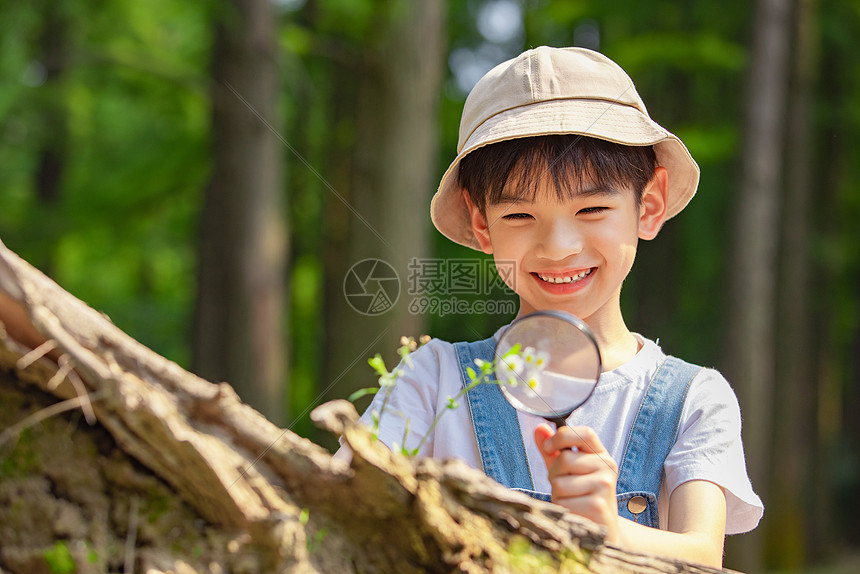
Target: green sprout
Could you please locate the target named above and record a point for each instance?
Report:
(511, 363)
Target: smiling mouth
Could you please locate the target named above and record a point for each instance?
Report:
(565, 278)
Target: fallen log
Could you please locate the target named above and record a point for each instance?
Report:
(176, 474)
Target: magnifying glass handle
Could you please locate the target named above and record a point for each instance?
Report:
(558, 421)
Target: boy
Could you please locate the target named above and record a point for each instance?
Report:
(560, 171)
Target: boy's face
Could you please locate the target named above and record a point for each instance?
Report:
(571, 254)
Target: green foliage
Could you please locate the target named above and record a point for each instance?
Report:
(120, 234)
(314, 540)
(60, 560)
(523, 556)
(18, 458)
(155, 505)
(352, 20)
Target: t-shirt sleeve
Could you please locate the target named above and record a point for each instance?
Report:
(709, 447)
(406, 410)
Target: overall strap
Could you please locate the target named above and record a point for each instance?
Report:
(650, 439)
(500, 439)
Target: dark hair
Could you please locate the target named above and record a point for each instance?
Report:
(572, 160)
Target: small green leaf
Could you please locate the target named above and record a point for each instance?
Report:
(471, 372)
(59, 559)
(378, 364)
(362, 392)
(513, 350)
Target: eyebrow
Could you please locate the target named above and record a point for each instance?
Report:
(589, 191)
(598, 190)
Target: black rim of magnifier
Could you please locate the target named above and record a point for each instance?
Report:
(560, 420)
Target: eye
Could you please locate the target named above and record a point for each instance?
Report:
(592, 210)
(515, 216)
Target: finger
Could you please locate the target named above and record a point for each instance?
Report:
(568, 462)
(573, 486)
(581, 438)
(594, 508)
(542, 433)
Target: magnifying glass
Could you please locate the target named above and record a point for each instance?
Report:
(548, 364)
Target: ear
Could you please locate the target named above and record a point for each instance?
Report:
(652, 212)
(479, 224)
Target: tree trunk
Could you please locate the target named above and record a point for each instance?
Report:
(53, 54)
(751, 350)
(389, 175)
(53, 44)
(177, 474)
(238, 320)
(794, 420)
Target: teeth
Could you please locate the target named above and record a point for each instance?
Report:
(568, 279)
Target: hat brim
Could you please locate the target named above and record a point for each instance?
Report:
(600, 119)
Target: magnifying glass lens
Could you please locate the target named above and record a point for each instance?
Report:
(548, 364)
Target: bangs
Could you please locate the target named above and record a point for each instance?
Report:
(515, 169)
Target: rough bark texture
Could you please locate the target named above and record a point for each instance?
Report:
(177, 474)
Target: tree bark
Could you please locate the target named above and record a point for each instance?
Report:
(182, 476)
(239, 313)
(751, 358)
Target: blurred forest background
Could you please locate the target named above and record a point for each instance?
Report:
(207, 172)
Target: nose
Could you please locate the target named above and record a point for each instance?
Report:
(560, 239)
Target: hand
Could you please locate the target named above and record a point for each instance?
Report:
(582, 480)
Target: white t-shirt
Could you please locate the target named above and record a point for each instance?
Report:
(708, 447)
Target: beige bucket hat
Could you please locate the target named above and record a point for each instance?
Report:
(557, 91)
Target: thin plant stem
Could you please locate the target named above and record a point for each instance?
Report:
(484, 378)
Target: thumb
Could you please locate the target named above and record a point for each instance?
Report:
(543, 432)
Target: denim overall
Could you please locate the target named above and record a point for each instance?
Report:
(640, 473)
